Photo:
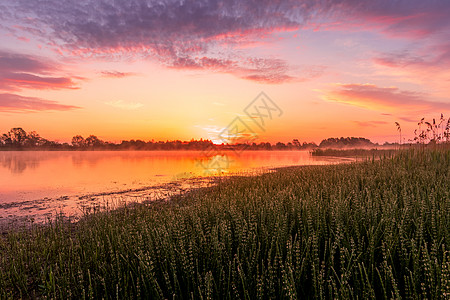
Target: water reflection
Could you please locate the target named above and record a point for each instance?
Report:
(18, 162)
(41, 175)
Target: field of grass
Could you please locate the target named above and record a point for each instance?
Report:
(374, 229)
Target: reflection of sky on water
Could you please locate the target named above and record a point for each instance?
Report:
(33, 175)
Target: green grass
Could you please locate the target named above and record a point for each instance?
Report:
(376, 229)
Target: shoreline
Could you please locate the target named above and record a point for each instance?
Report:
(101, 201)
(114, 205)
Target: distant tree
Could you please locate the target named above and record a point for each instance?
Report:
(78, 141)
(306, 146)
(18, 136)
(348, 142)
(5, 139)
(280, 146)
(93, 141)
(34, 140)
(296, 143)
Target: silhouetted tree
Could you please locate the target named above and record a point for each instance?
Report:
(5, 139)
(17, 136)
(307, 146)
(78, 141)
(345, 142)
(33, 139)
(93, 141)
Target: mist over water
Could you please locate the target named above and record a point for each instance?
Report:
(39, 183)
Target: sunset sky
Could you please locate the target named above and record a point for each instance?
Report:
(167, 70)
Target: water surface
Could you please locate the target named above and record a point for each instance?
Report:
(41, 183)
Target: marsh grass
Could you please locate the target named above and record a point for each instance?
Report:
(374, 229)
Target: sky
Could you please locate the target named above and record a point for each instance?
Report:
(174, 69)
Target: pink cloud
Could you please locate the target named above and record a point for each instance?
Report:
(412, 19)
(428, 65)
(117, 74)
(269, 78)
(395, 60)
(13, 103)
(30, 81)
(271, 71)
(435, 57)
(18, 71)
(23, 39)
(261, 70)
(407, 119)
(390, 99)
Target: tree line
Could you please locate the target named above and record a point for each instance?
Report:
(19, 139)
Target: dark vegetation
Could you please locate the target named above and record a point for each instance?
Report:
(433, 132)
(377, 229)
(353, 152)
(19, 139)
(349, 142)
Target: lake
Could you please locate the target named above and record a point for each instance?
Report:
(38, 184)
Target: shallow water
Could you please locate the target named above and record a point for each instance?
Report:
(38, 184)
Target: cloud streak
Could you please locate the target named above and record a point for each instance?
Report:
(262, 70)
(116, 74)
(18, 71)
(386, 99)
(13, 103)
